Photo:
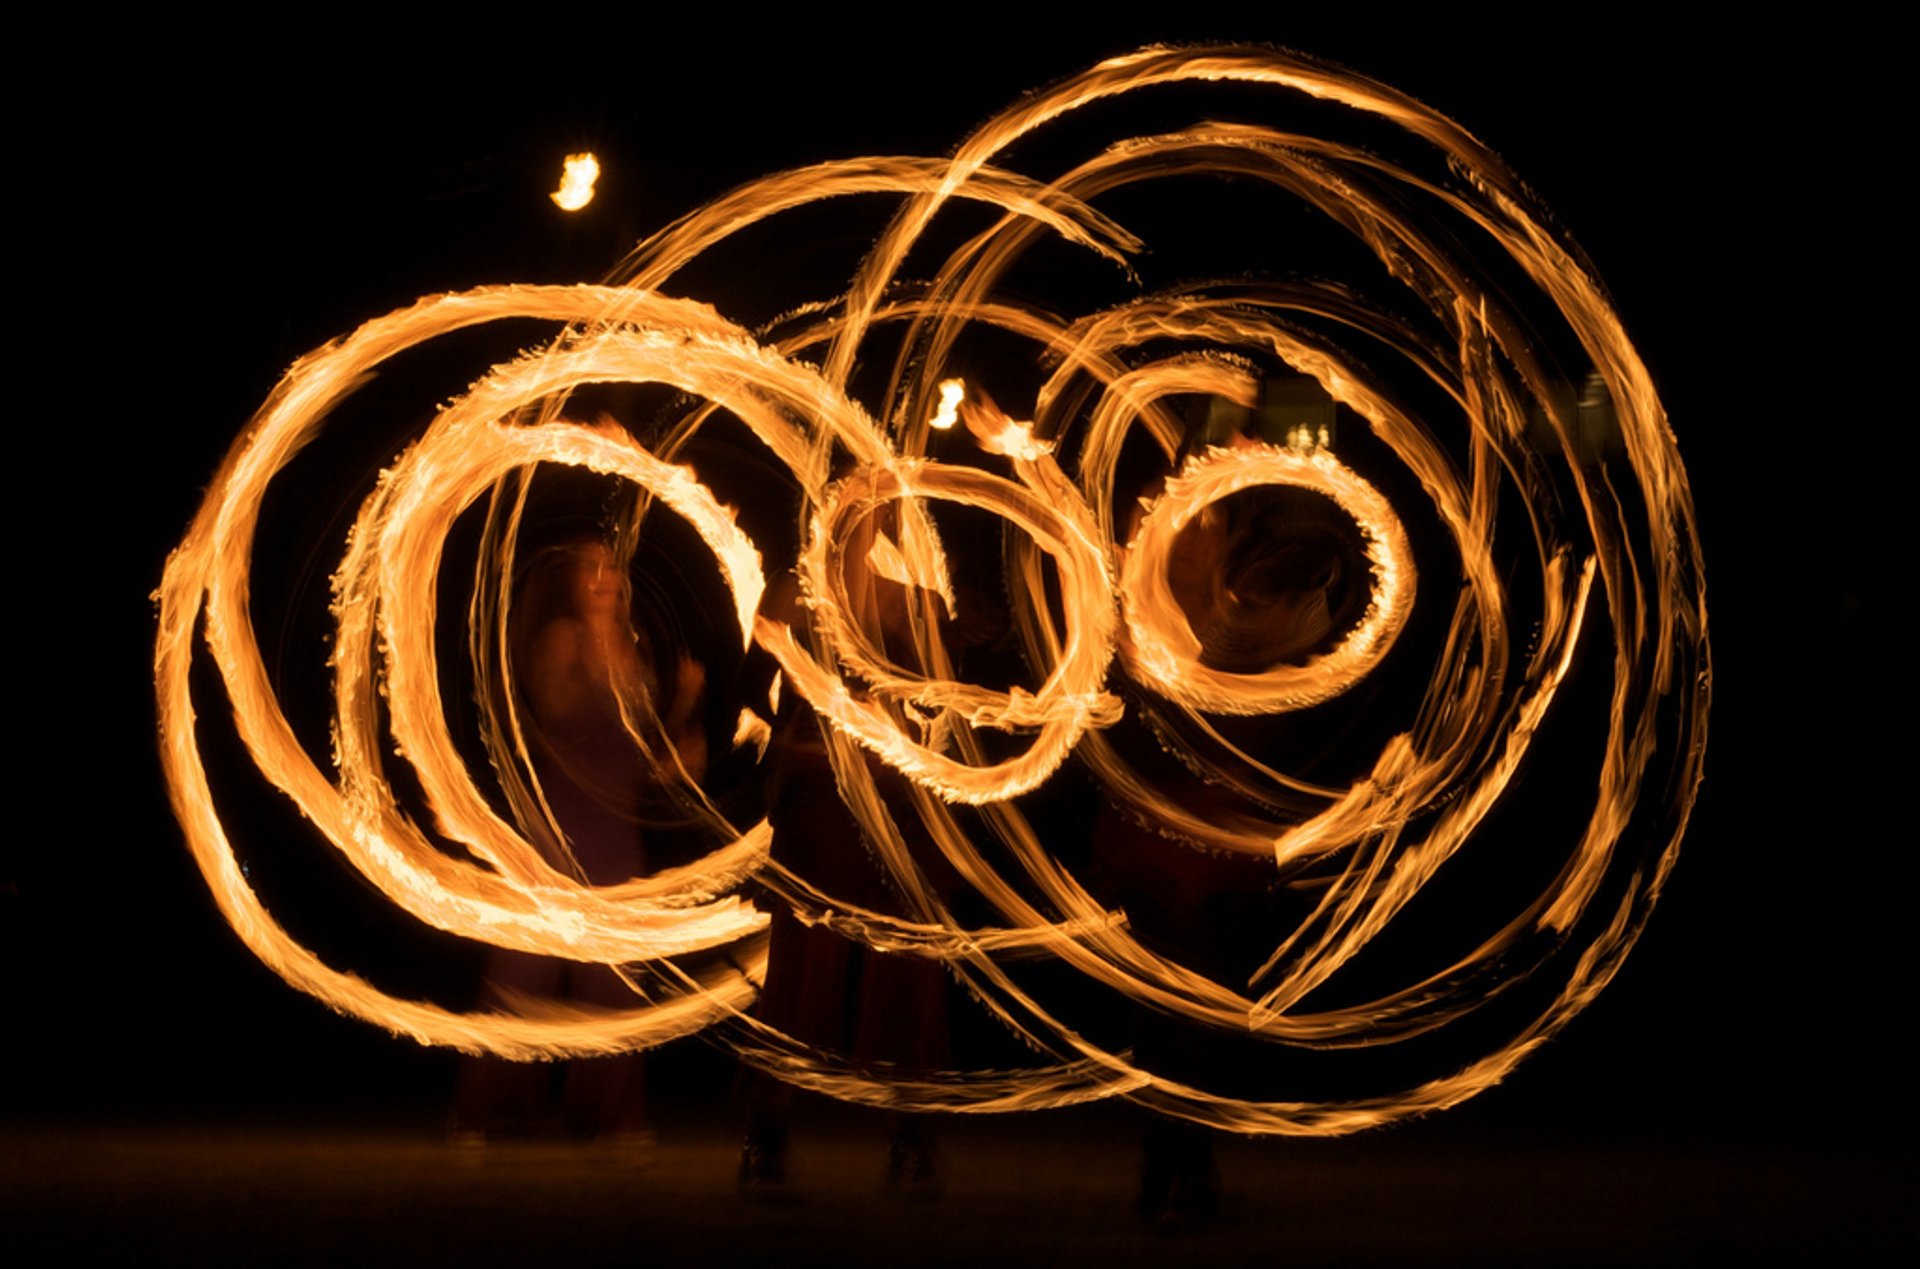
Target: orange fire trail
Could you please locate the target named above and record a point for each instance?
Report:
(1455, 421)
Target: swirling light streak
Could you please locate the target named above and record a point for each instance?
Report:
(1164, 652)
(1101, 625)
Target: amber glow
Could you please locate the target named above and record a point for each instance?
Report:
(577, 176)
(1479, 630)
(952, 393)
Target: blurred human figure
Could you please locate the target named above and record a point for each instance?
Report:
(1271, 575)
(883, 1011)
(607, 745)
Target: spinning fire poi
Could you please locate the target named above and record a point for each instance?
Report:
(1473, 377)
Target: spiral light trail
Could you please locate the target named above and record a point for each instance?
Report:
(1501, 520)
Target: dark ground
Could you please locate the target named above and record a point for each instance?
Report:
(1023, 1191)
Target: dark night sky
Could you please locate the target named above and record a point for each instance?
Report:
(1760, 1000)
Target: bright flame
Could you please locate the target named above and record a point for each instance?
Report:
(577, 176)
(952, 392)
(1109, 631)
(751, 729)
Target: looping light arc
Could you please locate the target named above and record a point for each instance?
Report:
(1606, 551)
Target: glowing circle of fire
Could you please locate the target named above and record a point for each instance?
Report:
(1208, 626)
(1176, 672)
